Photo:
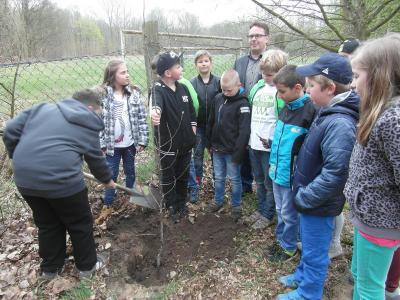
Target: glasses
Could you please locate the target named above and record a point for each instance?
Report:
(257, 36)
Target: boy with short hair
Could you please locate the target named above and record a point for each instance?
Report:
(48, 144)
(207, 86)
(293, 123)
(265, 107)
(228, 133)
(322, 169)
(174, 116)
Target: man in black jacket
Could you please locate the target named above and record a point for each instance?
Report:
(228, 133)
(249, 72)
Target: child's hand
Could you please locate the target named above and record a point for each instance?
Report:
(155, 117)
(140, 148)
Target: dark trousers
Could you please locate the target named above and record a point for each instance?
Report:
(393, 277)
(54, 217)
(174, 177)
(246, 174)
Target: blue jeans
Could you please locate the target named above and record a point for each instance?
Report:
(260, 165)
(287, 227)
(224, 166)
(316, 235)
(198, 153)
(128, 162)
(192, 182)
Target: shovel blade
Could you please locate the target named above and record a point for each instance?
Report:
(145, 201)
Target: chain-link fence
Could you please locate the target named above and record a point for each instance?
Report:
(26, 83)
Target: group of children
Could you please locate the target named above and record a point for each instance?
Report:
(300, 124)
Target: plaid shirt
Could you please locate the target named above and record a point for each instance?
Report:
(137, 119)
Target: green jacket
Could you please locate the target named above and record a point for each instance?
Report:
(279, 103)
(192, 92)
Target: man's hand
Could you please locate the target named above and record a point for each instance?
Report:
(110, 184)
(140, 148)
(155, 117)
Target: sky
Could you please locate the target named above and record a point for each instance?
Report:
(209, 11)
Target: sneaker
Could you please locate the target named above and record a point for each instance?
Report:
(98, 265)
(293, 295)
(262, 223)
(299, 246)
(271, 250)
(253, 218)
(335, 250)
(173, 214)
(289, 281)
(105, 212)
(283, 255)
(47, 276)
(236, 213)
(395, 295)
(213, 207)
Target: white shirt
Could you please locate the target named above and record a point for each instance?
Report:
(122, 129)
(262, 116)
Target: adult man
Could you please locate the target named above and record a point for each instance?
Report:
(249, 73)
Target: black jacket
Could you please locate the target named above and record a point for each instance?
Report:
(48, 143)
(205, 93)
(177, 117)
(228, 129)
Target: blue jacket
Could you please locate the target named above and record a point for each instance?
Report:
(323, 161)
(294, 121)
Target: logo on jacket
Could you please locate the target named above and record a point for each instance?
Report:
(185, 98)
(325, 71)
(295, 130)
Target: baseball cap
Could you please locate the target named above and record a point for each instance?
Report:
(348, 46)
(166, 60)
(330, 65)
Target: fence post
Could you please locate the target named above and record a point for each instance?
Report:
(151, 48)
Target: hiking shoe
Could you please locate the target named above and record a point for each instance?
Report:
(105, 212)
(335, 250)
(293, 295)
(395, 295)
(253, 217)
(271, 250)
(97, 266)
(289, 281)
(213, 207)
(47, 276)
(236, 213)
(262, 223)
(283, 255)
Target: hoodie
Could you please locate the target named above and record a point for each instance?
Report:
(323, 162)
(48, 144)
(228, 129)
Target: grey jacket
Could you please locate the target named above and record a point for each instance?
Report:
(241, 67)
(48, 143)
(373, 186)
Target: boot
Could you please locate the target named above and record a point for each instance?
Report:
(105, 212)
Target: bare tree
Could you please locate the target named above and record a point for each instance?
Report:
(326, 23)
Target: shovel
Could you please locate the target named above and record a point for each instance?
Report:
(135, 196)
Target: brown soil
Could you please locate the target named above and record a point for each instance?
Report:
(135, 241)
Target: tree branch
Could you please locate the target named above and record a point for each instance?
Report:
(328, 23)
(385, 20)
(371, 15)
(294, 28)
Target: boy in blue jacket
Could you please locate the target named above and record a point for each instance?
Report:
(322, 169)
(293, 123)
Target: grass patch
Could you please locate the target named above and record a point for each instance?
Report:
(80, 292)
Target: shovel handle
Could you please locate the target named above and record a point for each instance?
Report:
(120, 187)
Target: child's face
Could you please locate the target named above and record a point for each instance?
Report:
(288, 94)
(175, 72)
(203, 64)
(122, 76)
(319, 96)
(359, 82)
(229, 90)
(268, 76)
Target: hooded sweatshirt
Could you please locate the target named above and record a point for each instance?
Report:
(228, 129)
(48, 144)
